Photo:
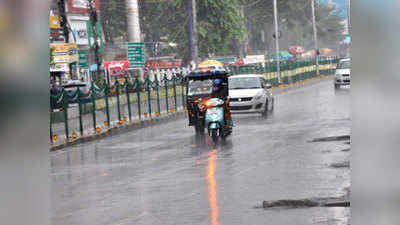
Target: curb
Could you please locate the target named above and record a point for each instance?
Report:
(301, 84)
(120, 129)
(168, 117)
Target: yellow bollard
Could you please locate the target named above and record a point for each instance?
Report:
(74, 135)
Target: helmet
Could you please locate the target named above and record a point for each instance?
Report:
(217, 82)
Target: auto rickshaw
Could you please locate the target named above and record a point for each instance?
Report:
(199, 87)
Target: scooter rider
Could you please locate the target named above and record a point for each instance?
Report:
(219, 92)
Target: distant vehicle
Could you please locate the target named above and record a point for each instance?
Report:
(199, 88)
(250, 94)
(342, 73)
(72, 86)
(215, 120)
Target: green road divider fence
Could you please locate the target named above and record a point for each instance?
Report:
(79, 113)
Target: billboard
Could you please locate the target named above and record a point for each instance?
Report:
(54, 22)
(65, 52)
(59, 67)
(80, 6)
(79, 29)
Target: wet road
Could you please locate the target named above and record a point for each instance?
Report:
(165, 175)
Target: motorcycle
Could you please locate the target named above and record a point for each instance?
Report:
(215, 122)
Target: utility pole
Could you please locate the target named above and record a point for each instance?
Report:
(134, 34)
(63, 19)
(315, 35)
(246, 38)
(348, 17)
(277, 36)
(93, 20)
(192, 28)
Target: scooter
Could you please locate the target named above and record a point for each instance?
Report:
(215, 120)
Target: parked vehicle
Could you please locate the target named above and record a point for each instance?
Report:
(250, 94)
(72, 86)
(342, 73)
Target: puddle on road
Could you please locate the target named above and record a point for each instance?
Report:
(307, 203)
(333, 138)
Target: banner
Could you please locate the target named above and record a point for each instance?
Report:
(80, 6)
(80, 29)
(251, 59)
(65, 52)
(91, 35)
(54, 22)
(59, 67)
(84, 4)
(116, 65)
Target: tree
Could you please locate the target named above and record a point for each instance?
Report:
(294, 21)
(220, 27)
(113, 19)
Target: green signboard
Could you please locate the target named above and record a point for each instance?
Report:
(91, 35)
(83, 60)
(136, 55)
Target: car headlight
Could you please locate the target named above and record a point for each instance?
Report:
(258, 96)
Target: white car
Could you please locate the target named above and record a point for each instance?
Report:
(250, 94)
(342, 73)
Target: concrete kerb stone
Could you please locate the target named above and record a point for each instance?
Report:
(308, 82)
(165, 118)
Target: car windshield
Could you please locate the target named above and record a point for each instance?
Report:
(344, 65)
(244, 83)
(197, 87)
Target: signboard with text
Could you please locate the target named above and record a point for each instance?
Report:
(91, 35)
(79, 29)
(65, 52)
(80, 6)
(83, 60)
(136, 55)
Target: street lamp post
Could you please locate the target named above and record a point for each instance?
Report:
(93, 20)
(315, 35)
(277, 42)
(192, 30)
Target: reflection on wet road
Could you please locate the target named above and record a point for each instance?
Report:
(212, 188)
(167, 175)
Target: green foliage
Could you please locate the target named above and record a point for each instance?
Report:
(295, 21)
(113, 19)
(221, 30)
(219, 25)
